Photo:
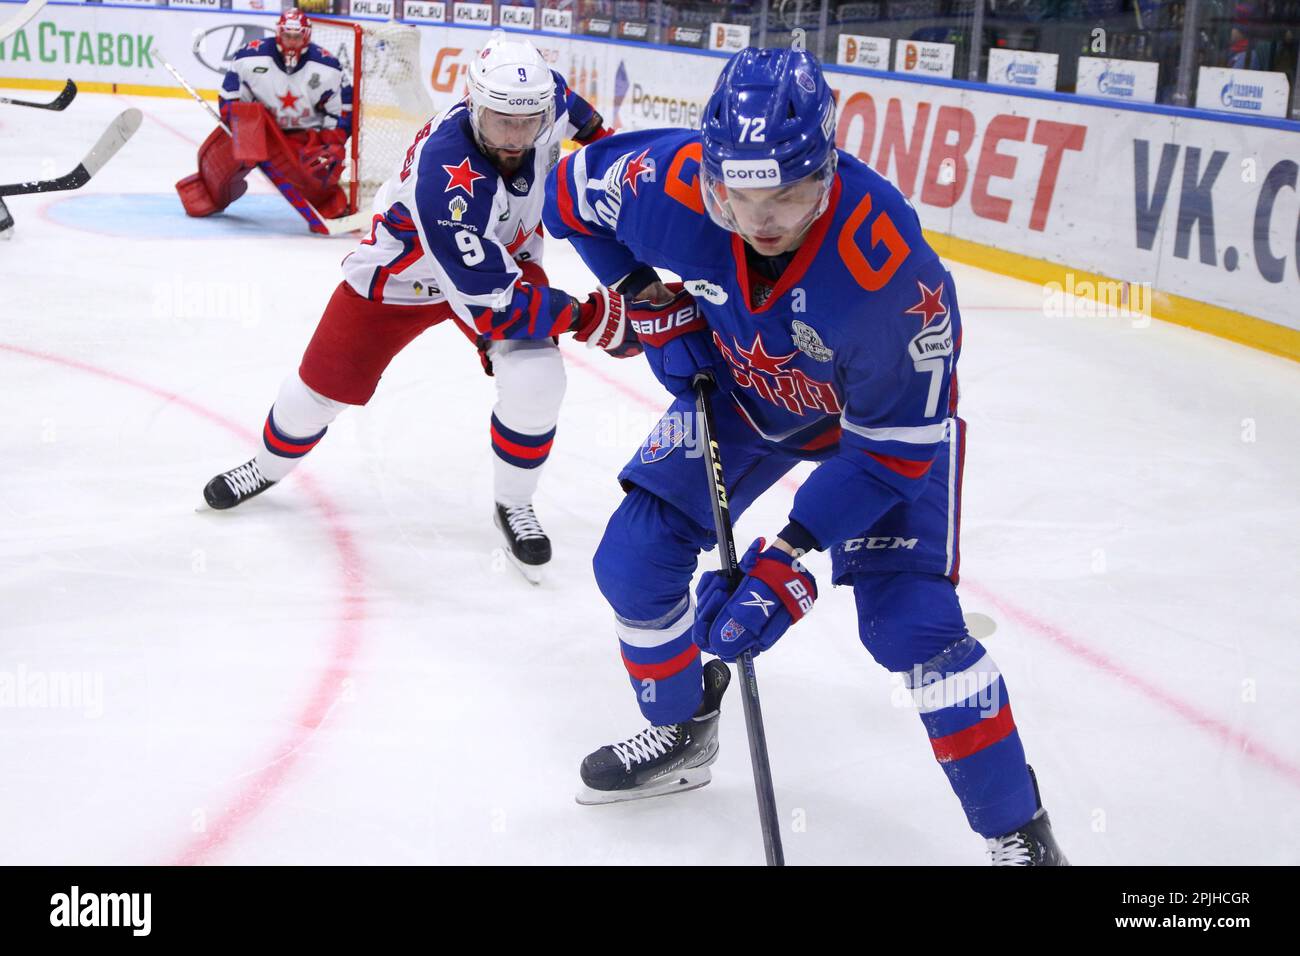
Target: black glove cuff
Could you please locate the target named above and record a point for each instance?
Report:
(800, 538)
(635, 282)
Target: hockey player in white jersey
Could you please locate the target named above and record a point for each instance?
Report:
(288, 105)
(457, 236)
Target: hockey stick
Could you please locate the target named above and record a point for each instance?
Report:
(335, 227)
(113, 139)
(19, 19)
(60, 102)
(767, 816)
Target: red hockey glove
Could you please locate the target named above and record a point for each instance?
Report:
(602, 323)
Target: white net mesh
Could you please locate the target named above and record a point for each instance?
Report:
(393, 104)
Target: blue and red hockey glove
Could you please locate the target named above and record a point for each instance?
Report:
(776, 592)
(677, 341)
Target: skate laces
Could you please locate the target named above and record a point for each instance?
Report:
(1010, 850)
(524, 523)
(650, 743)
(244, 479)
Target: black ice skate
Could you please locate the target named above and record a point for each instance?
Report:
(1032, 845)
(527, 546)
(659, 760)
(239, 484)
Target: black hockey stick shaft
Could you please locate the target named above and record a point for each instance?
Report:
(60, 102)
(767, 813)
(110, 141)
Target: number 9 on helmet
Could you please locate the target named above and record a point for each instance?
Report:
(511, 95)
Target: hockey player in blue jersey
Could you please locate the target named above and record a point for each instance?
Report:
(832, 331)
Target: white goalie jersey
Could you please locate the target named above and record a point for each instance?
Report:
(315, 94)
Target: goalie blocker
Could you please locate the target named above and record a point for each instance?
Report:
(304, 165)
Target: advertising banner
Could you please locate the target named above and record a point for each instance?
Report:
(1123, 79)
(869, 52)
(1252, 92)
(928, 59)
(1206, 208)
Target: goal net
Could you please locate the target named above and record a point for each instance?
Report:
(389, 101)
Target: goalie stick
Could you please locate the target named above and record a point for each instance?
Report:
(113, 139)
(335, 227)
(60, 102)
(19, 19)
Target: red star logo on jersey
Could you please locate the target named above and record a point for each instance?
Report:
(756, 355)
(637, 167)
(515, 244)
(288, 101)
(931, 304)
(463, 176)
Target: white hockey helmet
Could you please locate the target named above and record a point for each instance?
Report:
(510, 78)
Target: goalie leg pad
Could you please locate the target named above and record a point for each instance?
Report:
(219, 181)
(252, 128)
(305, 169)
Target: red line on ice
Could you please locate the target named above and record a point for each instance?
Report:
(259, 788)
(1195, 717)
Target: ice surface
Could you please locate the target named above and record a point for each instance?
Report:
(340, 671)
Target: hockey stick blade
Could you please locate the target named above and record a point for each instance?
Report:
(113, 139)
(60, 102)
(19, 19)
(352, 223)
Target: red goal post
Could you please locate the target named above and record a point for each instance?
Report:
(389, 99)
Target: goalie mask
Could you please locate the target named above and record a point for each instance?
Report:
(292, 34)
(511, 95)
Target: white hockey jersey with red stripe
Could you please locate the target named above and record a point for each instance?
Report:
(449, 227)
(315, 94)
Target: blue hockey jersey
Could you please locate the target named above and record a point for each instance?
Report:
(848, 356)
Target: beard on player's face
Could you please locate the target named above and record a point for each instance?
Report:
(506, 161)
(507, 139)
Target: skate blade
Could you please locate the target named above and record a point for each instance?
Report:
(679, 783)
(533, 573)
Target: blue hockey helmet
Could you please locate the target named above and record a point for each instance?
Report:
(770, 123)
